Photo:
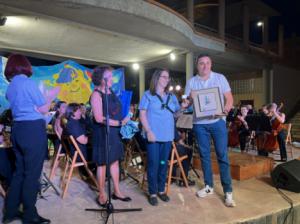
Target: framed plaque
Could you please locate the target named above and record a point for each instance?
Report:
(207, 102)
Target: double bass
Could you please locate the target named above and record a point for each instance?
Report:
(233, 129)
(268, 140)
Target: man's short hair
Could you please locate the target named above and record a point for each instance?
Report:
(201, 56)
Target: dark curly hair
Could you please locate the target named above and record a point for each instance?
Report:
(71, 109)
(98, 74)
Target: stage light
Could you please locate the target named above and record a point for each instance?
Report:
(15, 21)
(171, 88)
(177, 87)
(259, 23)
(135, 66)
(2, 20)
(172, 57)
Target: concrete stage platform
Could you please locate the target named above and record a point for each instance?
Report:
(257, 202)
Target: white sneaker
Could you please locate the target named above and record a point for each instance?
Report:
(205, 191)
(229, 202)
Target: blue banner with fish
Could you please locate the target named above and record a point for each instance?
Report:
(74, 80)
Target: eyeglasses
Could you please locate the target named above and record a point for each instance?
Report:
(165, 77)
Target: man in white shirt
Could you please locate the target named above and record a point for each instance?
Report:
(207, 127)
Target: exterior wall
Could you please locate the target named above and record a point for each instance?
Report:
(286, 87)
(256, 97)
(248, 89)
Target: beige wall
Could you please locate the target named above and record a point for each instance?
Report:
(257, 97)
(247, 89)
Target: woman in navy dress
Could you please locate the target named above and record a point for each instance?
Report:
(102, 75)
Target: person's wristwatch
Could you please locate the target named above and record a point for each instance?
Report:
(120, 123)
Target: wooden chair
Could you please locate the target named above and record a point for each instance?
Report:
(175, 158)
(72, 163)
(57, 156)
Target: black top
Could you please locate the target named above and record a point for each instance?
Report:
(76, 129)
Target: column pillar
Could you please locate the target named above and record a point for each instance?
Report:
(266, 33)
(246, 25)
(221, 26)
(141, 81)
(189, 65)
(267, 78)
(190, 11)
(281, 41)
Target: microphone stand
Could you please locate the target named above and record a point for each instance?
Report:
(109, 208)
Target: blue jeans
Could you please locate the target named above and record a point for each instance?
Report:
(157, 164)
(218, 132)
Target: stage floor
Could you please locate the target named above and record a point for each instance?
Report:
(257, 202)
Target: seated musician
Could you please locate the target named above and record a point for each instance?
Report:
(243, 129)
(75, 128)
(7, 159)
(57, 123)
(279, 118)
(278, 133)
(183, 149)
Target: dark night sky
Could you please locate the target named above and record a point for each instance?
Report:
(290, 15)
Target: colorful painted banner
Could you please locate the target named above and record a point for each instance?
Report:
(73, 78)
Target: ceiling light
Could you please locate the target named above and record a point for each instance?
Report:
(171, 88)
(15, 21)
(178, 87)
(259, 23)
(135, 66)
(172, 57)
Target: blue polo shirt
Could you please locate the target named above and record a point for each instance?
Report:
(161, 120)
(24, 97)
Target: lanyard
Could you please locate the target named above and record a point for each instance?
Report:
(165, 105)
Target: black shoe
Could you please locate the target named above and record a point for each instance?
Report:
(6, 220)
(190, 183)
(115, 197)
(164, 197)
(38, 220)
(100, 204)
(153, 200)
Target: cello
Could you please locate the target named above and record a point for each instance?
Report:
(268, 140)
(233, 127)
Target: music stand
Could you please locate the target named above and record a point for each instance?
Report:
(109, 208)
(45, 184)
(258, 124)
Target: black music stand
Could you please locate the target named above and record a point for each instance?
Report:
(258, 124)
(109, 209)
(45, 184)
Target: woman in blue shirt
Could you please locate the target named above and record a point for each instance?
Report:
(157, 109)
(29, 139)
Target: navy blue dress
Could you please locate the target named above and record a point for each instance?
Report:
(116, 150)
